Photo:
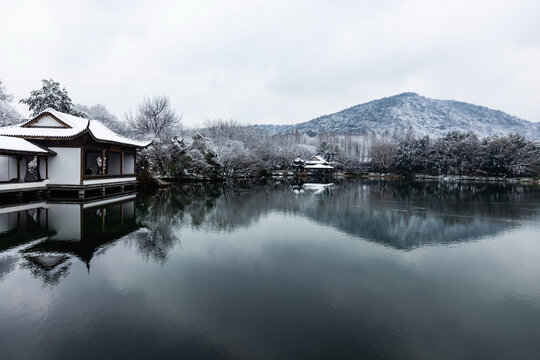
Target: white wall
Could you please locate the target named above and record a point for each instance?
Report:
(109, 180)
(43, 168)
(8, 222)
(65, 219)
(4, 168)
(8, 168)
(129, 167)
(65, 167)
(23, 167)
(46, 121)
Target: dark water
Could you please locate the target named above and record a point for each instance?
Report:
(361, 270)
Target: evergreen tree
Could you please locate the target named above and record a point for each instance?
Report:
(326, 151)
(50, 95)
(410, 154)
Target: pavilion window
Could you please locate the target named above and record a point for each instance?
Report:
(94, 163)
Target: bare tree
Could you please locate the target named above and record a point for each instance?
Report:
(155, 118)
(382, 155)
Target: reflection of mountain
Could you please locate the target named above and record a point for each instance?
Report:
(400, 215)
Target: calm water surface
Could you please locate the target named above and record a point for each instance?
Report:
(359, 270)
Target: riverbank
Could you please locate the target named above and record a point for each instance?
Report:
(374, 175)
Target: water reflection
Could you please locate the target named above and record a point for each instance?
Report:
(400, 215)
(279, 270)
(47, 236)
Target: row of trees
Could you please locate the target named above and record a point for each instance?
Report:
(228, 149)
(459, 153)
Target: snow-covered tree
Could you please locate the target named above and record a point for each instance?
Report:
(155, 118)
(101, 113)
(203, 159)
(410, 154)
(326, 151)
(50, 95)
(8, 114)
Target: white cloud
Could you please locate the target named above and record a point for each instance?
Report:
(274, 61)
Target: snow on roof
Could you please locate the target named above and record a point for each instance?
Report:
(30, 132)
(315, 159)
(13, 144)
(103, 133)
(318, 166)
(76, 126)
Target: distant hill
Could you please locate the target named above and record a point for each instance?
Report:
(426, 116)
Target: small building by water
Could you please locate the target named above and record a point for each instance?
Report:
(315, 165)
(61, 153)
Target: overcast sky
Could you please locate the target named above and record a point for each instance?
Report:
(274, 61)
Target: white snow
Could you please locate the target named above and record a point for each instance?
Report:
(9, 143)
(109, 181)
(76, 125)
(101, 132)
(318, 166)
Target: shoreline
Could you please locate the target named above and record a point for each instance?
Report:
(167, 182)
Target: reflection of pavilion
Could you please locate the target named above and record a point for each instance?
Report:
(313, 188)
(21, 224)
(63, 231)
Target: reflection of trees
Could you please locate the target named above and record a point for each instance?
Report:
(406, 215)
(163, 215)
(399, 214)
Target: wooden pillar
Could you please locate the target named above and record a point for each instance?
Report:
(103, 162)
(81, 194)
(83, 165)
(18, 168)
(46, 167)
(122, 163)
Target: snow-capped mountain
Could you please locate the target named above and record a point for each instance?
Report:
(426, 116)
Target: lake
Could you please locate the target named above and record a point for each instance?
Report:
(355, 270)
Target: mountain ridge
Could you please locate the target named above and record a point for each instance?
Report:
(425, 115)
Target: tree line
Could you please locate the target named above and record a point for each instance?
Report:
(460, 153)
(221, 149)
